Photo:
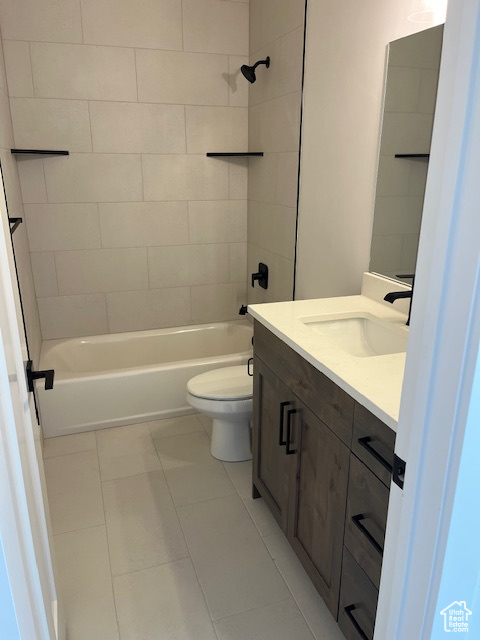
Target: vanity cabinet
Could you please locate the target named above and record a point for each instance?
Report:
(322, 463)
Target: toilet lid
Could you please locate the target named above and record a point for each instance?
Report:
(229, 383)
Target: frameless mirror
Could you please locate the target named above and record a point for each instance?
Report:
(409, 106)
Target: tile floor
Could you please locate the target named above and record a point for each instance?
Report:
(156, 540)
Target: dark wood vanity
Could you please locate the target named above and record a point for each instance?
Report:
(322, 463)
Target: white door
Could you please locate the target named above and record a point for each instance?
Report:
(24, 521)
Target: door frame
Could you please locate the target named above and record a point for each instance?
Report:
(443, 344)
(24, 520)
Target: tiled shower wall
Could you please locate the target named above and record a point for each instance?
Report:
(276, 30)
(15, 210)
(136, 229)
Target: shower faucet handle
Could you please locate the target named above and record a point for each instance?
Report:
(261, 276)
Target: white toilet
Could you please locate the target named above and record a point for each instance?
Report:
(226, 396)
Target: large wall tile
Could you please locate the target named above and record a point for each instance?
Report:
(152, 24)
(51, 124)
(32, 180)
(184, 178)
(238, 178)
(291, 61)
(216, 129)
(215, 303)
(215, 26)
(18, 68)
(276, 229)
(45, 20)
(278, 17)
(57, 227)
(217, 221)
(150, 309)
(406, 133)
(100, 73)
(277, 126)
(238, 96)
(182, 78)
(88, 177)
(287, 179)
(188, 265)
(44, 274)
(69, 316)
(262, 178)
(6, 133)
(101, 270)
(238, 262)
(137, 128)
(143, 224)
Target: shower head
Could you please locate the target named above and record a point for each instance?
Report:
(249, 72)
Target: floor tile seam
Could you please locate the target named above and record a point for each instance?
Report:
(296, 601)
(232, 615)
(107, 540)
(67, 455)
(196, 575)
(91, 526)
(181, 435)
(61, 455)
(238, 613)
(133, 475)
(191, 504)
(153, 566)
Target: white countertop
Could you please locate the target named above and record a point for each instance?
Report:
(375, 382)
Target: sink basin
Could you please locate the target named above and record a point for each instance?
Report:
(360, 335)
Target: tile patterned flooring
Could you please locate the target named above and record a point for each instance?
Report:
(156, 540)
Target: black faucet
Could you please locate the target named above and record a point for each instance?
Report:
(398, 295)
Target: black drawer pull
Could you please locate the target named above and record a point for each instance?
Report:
(281, 440)
(290, 412)
(365, 443)
(357, 521)
(348, 610)
(250, 364)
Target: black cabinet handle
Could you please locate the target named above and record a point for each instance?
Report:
(348, 610)
(357, 521)
(290, 412)
(281, 440)
(365, 443)
(48, 374)
(250, 364)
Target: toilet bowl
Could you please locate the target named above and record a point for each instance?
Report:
(226, 396)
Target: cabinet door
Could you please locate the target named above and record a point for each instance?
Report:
(318, 494)
(271, 402)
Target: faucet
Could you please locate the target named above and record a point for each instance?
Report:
(397, 295)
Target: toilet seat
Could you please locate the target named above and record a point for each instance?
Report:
(227, 384)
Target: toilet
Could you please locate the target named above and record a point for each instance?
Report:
(226, 396)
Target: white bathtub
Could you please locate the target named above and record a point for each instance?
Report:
(112, 380)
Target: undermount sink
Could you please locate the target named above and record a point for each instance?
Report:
(360, 335)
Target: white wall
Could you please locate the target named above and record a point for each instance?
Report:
(344, 79)
(137, 228)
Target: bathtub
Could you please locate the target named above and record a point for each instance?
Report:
(113, 380)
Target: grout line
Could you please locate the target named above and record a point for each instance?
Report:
(107, 537)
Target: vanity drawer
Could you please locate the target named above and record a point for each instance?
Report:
(322, 396)
(366, 520)
(358, 601)
(373, 443)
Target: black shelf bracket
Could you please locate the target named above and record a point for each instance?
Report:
(418, 156)
(14, 223)
(38, 152)
(242, 154)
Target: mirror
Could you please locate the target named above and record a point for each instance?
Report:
(409, 106)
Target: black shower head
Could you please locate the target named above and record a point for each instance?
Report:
(249, 72)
